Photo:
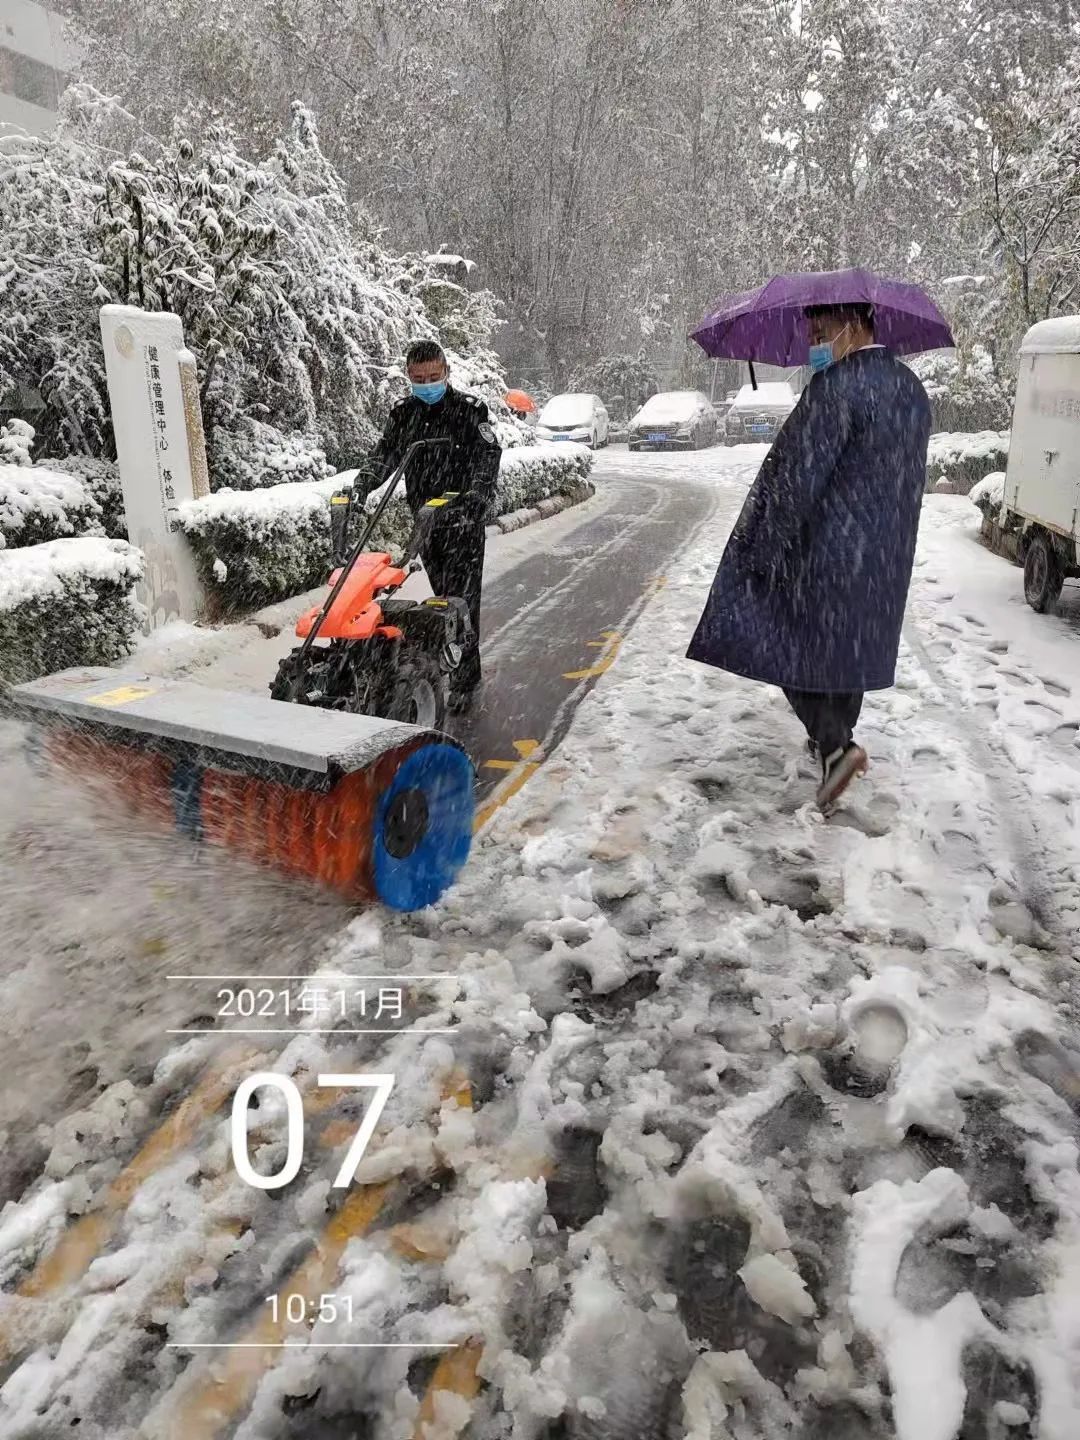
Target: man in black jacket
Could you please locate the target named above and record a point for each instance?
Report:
(453, 548)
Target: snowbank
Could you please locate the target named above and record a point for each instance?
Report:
(989, 492)
(254, 547)
(955, 461)
(66, 602)
(39, 504)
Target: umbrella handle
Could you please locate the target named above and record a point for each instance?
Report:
(753, 377)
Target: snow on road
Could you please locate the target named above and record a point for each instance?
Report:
(773, 1124)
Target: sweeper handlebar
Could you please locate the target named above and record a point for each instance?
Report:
(361, 545)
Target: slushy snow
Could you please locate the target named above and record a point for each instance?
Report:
(772, 1129)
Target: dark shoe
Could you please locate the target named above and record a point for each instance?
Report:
(838, 771)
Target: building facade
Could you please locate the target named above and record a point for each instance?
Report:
(37, 60)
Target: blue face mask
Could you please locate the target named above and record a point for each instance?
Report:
(430, 394)
(820, 357)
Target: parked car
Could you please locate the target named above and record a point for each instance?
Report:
(677, 419)
(1036, 521)
(577, 417)
(756, 415)
(723, 406)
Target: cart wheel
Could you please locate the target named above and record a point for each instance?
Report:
(1043, 575)
(419, 693)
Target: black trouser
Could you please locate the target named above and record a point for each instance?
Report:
(830, 719)
(454, 560)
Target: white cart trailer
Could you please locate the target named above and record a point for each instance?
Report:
(1038, 519)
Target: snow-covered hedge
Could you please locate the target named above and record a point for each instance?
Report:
(255, 547)
(66, 602)
(101, 479)
(956, 461)
(38, 503)
(989, 493)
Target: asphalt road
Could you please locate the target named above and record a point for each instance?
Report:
(552, 624)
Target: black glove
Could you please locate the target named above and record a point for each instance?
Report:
(423, 524)
(368, 478)
(473, 505)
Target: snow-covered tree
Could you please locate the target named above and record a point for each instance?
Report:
(53, 272)
(298, 316)
(614, 165)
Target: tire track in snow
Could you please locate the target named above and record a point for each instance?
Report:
(1012, 808)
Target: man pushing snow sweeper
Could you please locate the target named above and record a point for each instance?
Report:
(464, 473)
(811, 589)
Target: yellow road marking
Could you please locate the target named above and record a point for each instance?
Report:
(610, 643)
(210, 1398)
(519, 772)
(210, 1394)
(525, 749)
(72, 1255)
(456, 1373)
(525, 771)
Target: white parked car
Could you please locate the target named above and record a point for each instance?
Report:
(677, 419)
(757, 415)
(578, 417)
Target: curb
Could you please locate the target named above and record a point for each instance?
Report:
(544, 510)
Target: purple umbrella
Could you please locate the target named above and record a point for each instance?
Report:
(768, 324)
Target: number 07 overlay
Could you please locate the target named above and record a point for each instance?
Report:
(294, 1116)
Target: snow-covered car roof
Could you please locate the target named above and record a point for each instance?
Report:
(673, 402)
(769, 392)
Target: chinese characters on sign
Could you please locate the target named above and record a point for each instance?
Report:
(156, 395)
(1056, 404)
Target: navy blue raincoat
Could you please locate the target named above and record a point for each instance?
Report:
(811, 589)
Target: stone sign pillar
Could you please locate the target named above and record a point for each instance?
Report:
(153, 393)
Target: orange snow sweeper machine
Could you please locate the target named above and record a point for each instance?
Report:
(369, 806)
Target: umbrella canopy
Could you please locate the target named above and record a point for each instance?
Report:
(768, 324)
(518, 400)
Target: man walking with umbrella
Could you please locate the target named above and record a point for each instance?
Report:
(811, 589)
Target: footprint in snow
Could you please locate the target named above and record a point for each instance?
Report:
(873, 819)
(961, 851)
(1042, 705)
(1068, 738)
(863, 1064)
(974, 620)
(1049, 1061)
(1017, 676)
(989, 1153)
(1055, 686)
(998, 647)
(715, 1307)
(1002, 1399)
(797, 889)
